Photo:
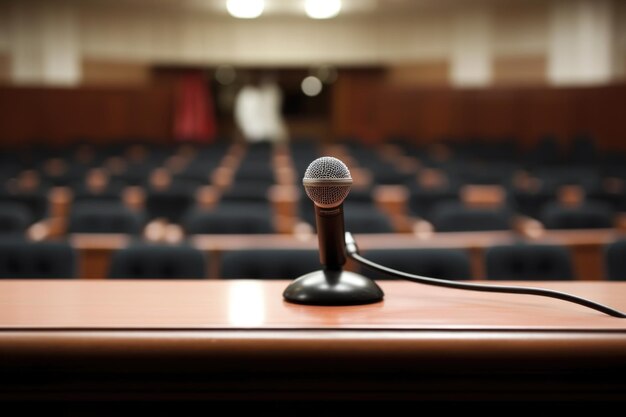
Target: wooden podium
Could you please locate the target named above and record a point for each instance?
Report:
(231, 340)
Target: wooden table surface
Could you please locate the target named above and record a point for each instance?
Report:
(256, 304)
(239, 339)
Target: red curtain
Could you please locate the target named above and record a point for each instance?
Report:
(194, 118)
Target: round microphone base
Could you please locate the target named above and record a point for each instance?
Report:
(333, 288)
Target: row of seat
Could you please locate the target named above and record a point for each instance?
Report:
(462, 163)
(241, 216)
(23, 259)
(437, 201)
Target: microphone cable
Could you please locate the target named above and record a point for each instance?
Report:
(353, 252)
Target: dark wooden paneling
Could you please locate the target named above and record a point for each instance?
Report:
(366, 105)
(61, 115)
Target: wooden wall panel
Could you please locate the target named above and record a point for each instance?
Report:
(5, 68)
(368, 103)
(520, 70)
(426, 73)
(111, 73)
(363, 105)
(61, 116)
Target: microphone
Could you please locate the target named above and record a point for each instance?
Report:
(327, 182)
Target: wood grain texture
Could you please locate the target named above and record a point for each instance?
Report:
(238, 340)
(364, 103)
(368, 106)
(250, 304)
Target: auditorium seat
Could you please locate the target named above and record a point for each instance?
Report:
(615, 260)
(172, 202)
(366, 218)
(20, 258)
(96, 184)
(455, 217)
(483, 173)
(615, 197)
(546, 152)
(552, 178)
(112, 193)
(14, 218)
(255, 171)
(451, 264)
(530, 201)
(28, 190)
(230, 218)
(136, 173)
(60, 172)
(386, 173)
(199, 169)
(269, 263)
(247, 191)
(583, 150)
(423, 199)
(359, 216)
(104, 217)
(358, 195)
(531, 262)
(152, 261)
(588, 215)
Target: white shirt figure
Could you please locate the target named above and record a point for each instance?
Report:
(258, 113)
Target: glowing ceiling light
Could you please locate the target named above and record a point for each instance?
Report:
(322, 9)
(245, 9)
(311, 86)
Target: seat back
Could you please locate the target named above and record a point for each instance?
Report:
(269, 263)
(589, 215)
(451, 264)
(230, 219)
(145, 261)
(104, 217)
(528, 262)
(366, 218)
(455, 217)
(615, 260)
(14, 218)
(170, 204)
(23, 259)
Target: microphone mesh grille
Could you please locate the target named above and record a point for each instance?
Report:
(327, 194)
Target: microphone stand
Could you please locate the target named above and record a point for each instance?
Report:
(332, 286)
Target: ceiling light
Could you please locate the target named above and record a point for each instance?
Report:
(322, 9)
(311, 86)
(245, 9)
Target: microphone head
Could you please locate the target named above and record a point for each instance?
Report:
(327, 182)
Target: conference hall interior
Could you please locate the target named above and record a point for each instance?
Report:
(168, 139)
(119, 129)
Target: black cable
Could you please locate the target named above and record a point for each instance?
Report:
(353, 252)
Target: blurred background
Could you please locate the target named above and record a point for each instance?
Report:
(109, 70)
(154, 118)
